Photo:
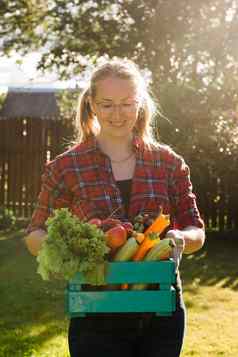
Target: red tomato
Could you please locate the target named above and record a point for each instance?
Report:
(96, 221)
(128, 226)
(116, 236)
(111, 221)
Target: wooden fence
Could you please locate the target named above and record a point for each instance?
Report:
(27, 143)
(218, 202)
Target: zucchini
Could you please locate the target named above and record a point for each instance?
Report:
(161, 250)
(127, 251)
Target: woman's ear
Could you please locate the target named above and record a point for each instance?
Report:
(141, 113)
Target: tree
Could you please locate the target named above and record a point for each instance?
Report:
(189, 46)
(169, 38)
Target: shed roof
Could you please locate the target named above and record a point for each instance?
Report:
(33, 103)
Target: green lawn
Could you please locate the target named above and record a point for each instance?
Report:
(211, 296)
(33, 323)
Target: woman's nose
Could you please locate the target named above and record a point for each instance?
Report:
(117, 110)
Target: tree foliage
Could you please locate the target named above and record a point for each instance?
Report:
(189, 46)
(170, 38)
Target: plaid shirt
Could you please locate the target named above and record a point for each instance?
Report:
(82, 180)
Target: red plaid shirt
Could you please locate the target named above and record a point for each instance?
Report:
(82, 179)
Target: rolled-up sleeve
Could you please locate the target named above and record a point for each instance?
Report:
(53, 195)
(182, 198)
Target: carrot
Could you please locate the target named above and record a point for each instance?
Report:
(152, 235)
(159, 224)
(124, 286)
(149, 241)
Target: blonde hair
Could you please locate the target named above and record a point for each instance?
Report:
(86, 124)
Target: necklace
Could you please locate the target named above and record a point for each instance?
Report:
(123, 160)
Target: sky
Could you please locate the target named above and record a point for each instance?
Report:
(13, 74)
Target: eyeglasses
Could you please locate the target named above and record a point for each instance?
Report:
(109, 108)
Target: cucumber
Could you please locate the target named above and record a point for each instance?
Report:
(127, 251)
(161, 250)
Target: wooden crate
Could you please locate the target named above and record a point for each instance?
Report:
(161, 301)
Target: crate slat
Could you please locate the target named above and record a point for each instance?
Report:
(136, 272)
(160, 301)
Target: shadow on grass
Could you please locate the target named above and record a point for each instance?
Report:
(22, 342)
(32, 310)
(215, 263)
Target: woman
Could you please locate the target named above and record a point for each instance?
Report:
(117, 168)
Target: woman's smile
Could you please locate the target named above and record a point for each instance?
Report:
(117, 124)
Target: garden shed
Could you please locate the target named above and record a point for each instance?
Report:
(31, 133)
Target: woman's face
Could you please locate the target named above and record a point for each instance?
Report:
(116, 105)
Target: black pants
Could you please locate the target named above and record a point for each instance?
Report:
(127, 335)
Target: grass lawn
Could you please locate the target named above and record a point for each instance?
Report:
(33, 323)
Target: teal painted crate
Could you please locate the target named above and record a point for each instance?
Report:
(161, 301)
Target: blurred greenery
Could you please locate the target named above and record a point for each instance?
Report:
(188, 46)
(7, 219)
(2, 99)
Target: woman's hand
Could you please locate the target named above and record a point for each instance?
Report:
(187, 241)
(34, 241)
(179, 241)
